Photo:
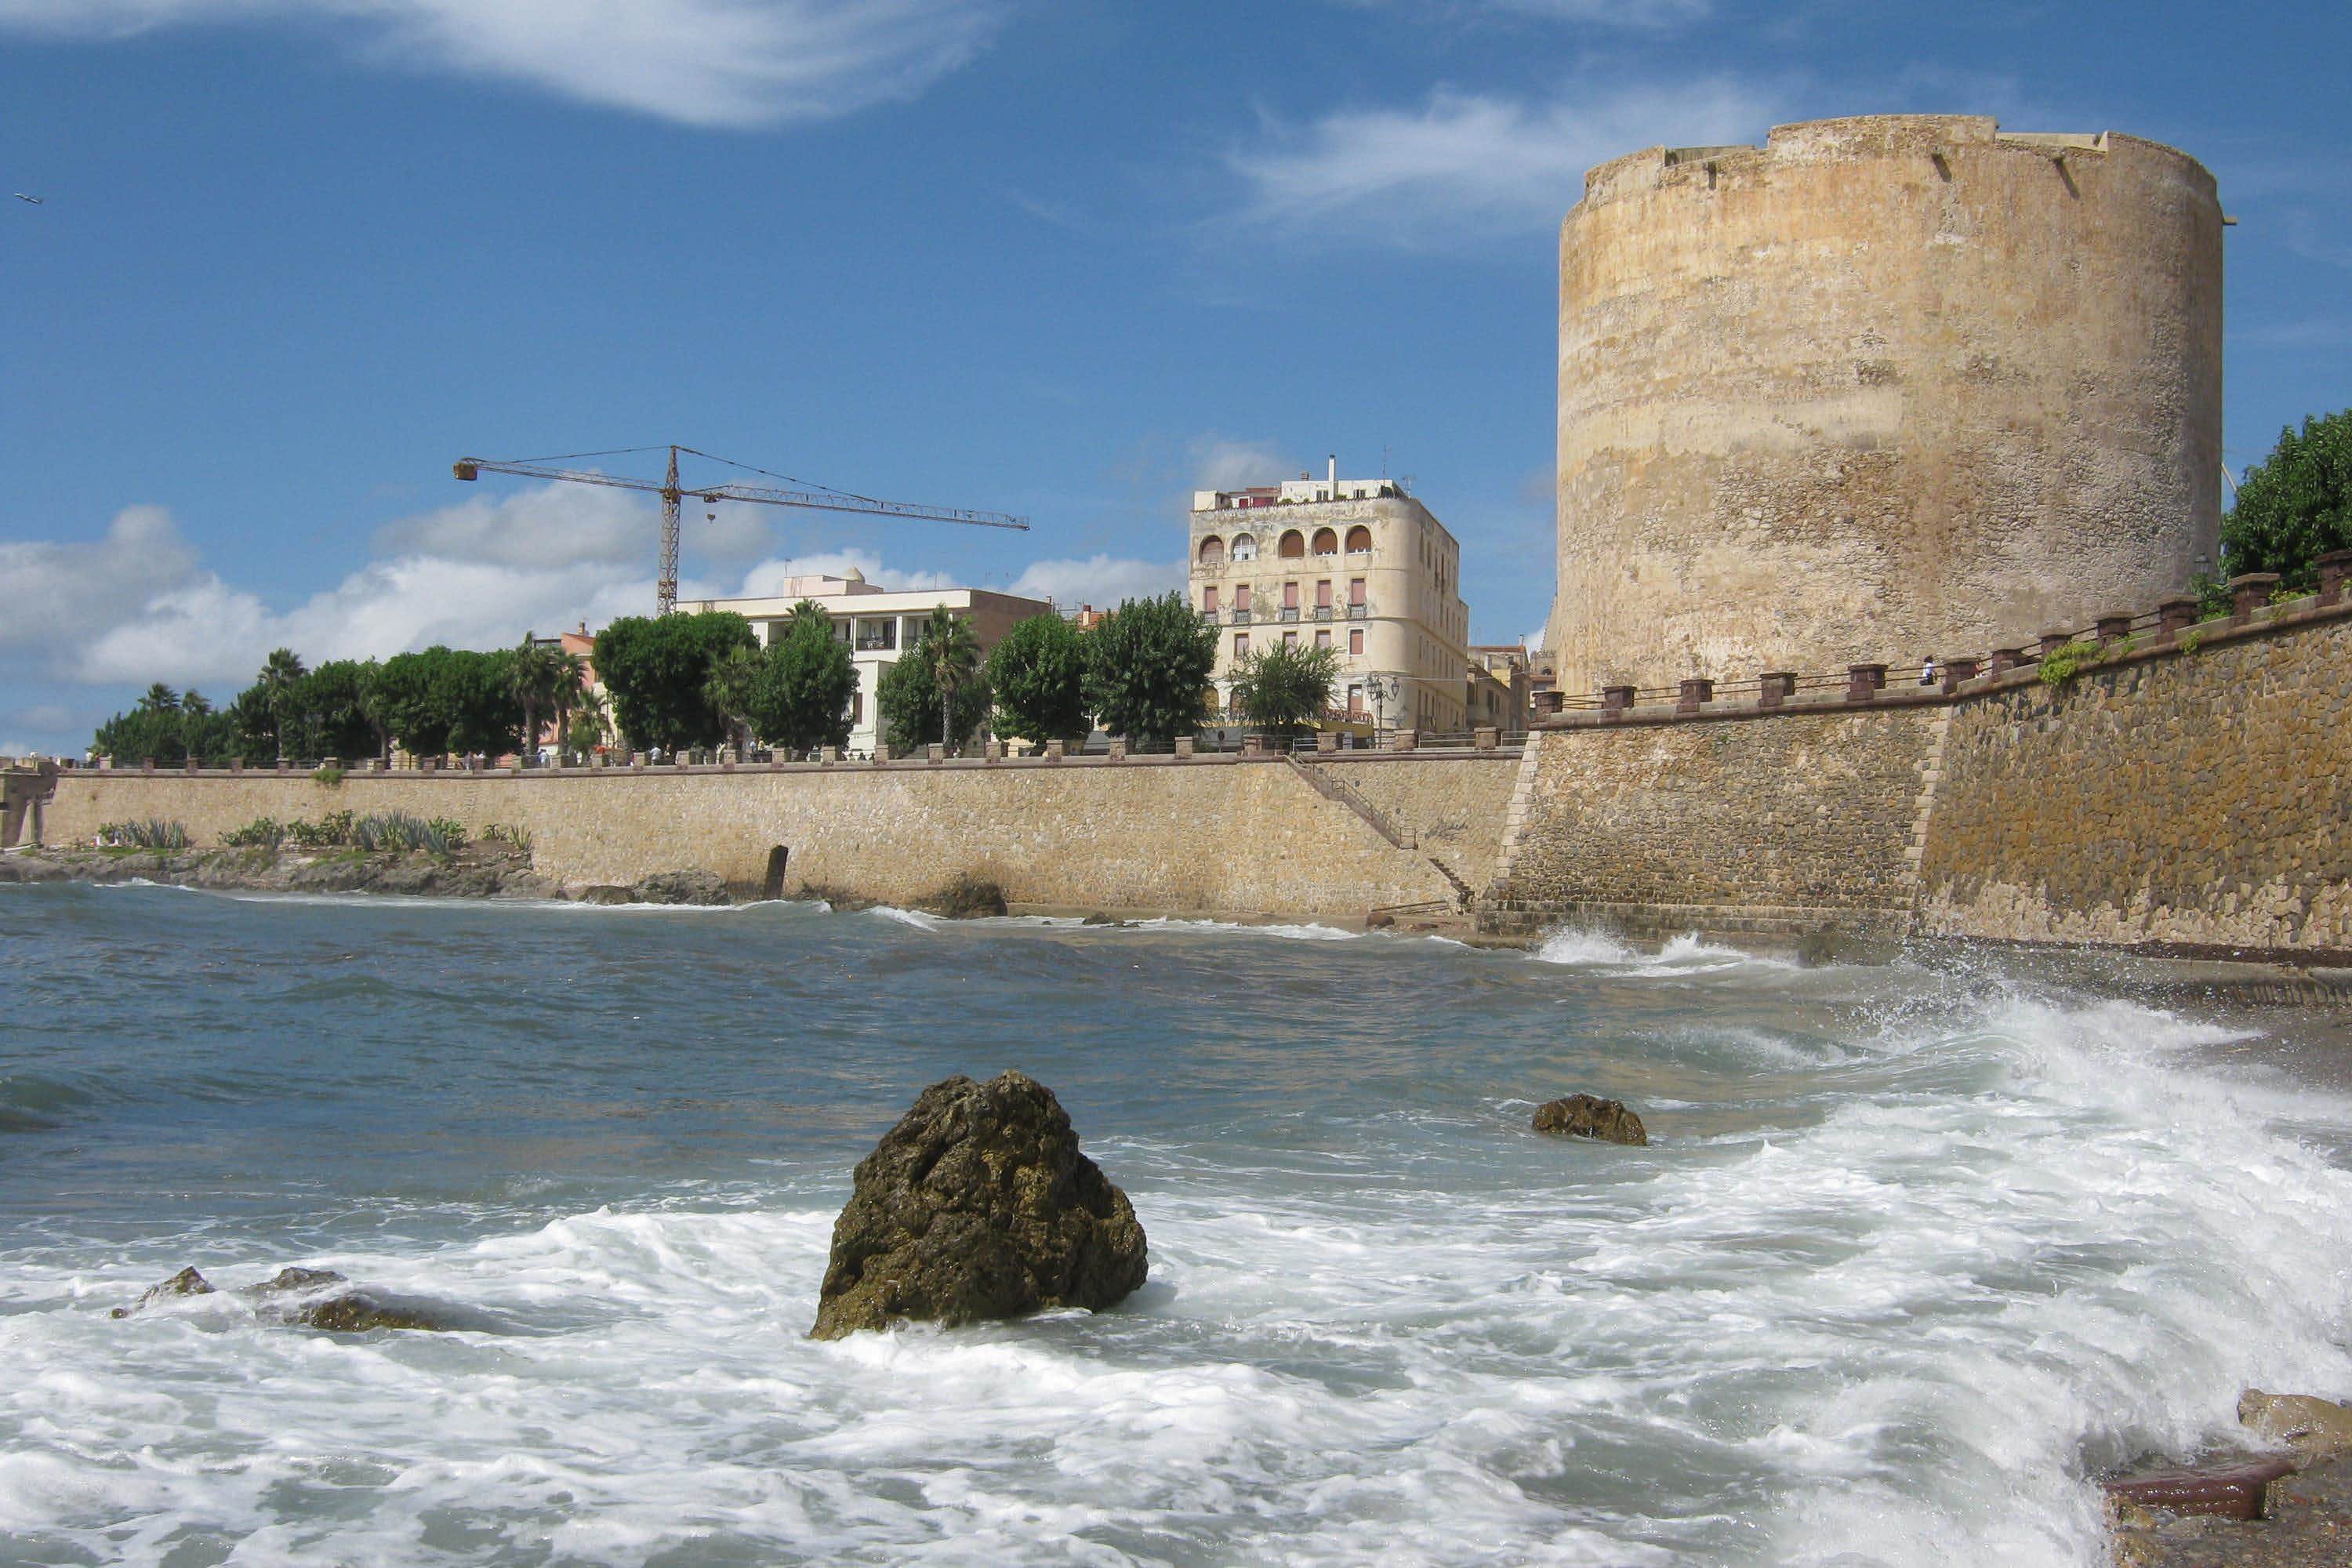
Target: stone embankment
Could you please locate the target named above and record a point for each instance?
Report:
(2157, 785)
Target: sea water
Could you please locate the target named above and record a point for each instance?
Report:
(1915, 1250)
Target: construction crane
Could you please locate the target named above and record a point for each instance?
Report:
(817, 497)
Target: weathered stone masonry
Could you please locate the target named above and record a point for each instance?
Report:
(1212, 835)
(2197, 800)
(2192, 792)
(2189, 793)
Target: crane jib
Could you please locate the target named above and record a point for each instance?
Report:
(672, 491)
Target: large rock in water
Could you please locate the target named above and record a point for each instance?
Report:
(978, 1204)
(1589, 1116)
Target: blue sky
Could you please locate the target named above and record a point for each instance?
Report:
(1061, 258)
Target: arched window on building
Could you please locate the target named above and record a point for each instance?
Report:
(1360, 540)
(1293, 546)
(1244, 547)
(1212, 550)
(1326, 542)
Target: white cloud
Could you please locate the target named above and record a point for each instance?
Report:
(1637, 14)
(726, 63)
(206, 632)
(1467, 167)
(1102, 580)
(559, 524)
(767, 578)
(51, 593)
(1219, 464)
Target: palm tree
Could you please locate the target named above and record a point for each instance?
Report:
(160, 699)
(196, 704)
(534, 679)
(571, 696)
(375, 707)
(279, 671)
(950, 652)
(728, 689)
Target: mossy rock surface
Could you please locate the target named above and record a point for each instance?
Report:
(978, 1206)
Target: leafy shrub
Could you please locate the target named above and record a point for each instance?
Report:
(265, 832)
(333, 828)
(330, 777)
(2060, 668)
(152, 834)
(500, 833)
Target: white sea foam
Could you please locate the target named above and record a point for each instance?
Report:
(1895, 1325)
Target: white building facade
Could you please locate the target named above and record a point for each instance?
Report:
(880, 626)
(1355, 565)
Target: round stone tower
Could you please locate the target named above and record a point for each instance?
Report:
(1881, 388)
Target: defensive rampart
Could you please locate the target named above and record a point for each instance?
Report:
(1218, 835)
(2177, 787)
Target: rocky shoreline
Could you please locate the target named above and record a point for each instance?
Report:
(489, 869)
(2288, 1507)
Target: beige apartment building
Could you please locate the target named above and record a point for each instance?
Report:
(880, 626)
(1354, 565)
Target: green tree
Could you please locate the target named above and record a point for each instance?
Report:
(1039, 676)
(734, 676)
(2295, 505)
(908, 704)
(658, 670)
(949, 650)
(801, 699)
(160, 699)
(1283, 688)
(571, 699)
(450, 700)
(279, 671)
(535, 677)
(322, 713)
(1148, 668)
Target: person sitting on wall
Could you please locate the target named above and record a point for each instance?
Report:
(1928, 671)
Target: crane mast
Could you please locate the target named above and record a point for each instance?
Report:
(673, 491)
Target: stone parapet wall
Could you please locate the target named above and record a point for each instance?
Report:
(1794, 822)
(2188, 801)
(1451, 808)
(1208, 834)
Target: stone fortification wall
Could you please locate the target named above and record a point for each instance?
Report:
(1781, 824)
(1881, 388)
(2187, 800)
(1210, 834)
(2190, 790)
(1451, 807)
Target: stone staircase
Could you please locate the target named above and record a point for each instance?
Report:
(1334, 790)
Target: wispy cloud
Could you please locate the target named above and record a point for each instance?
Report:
(726, 63)
(1102, 580)
(1465, 168)
(1630, 14)
(138, 604)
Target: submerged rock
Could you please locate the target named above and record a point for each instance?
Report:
(187, 1282)
(680, 888)
(978, 1204)
(1588, 1116)
(344, 1313)
(965, 897)
(2314, 1428)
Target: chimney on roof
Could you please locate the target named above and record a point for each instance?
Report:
(1335, 478)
